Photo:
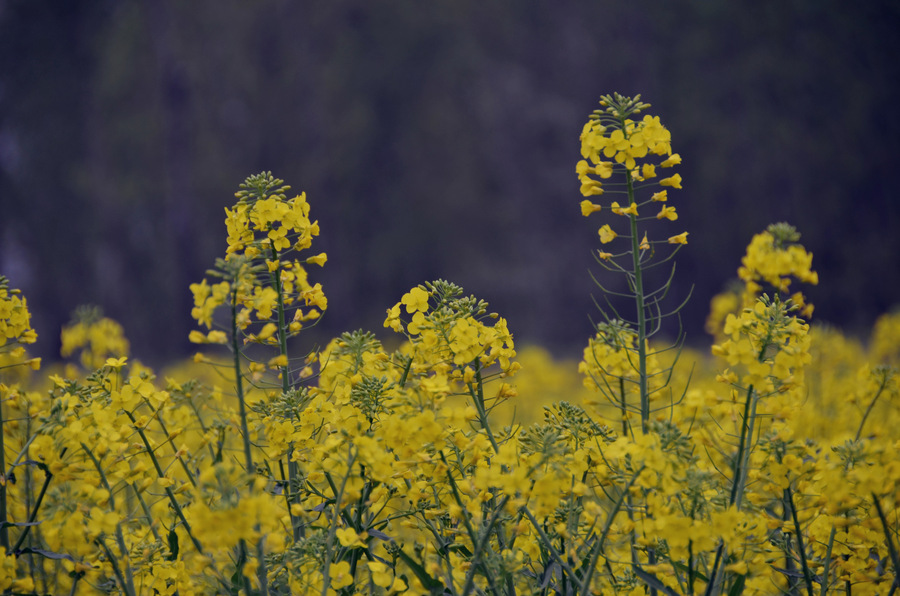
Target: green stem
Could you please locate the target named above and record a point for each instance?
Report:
(282, 327)
(115, 565)
(482, 543)
(293, 468)
(789, 501)
(640, 306)
(892, 551)
(239, 567)
(469, 529)
(690, 586)
(261, 571)
(147, 512)
(4, 530)
(737, 486)
(184, 466)
(37, 505)
(477, 393)
(827, 565)
(239, 381)
(623, 497)
(245, 432)
(743, 455)
(332, 530)
(548, 543)
(127, 582)
(878, 393)
(169, 492)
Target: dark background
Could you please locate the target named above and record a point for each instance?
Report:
(435, 140)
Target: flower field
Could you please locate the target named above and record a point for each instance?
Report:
(458, 463)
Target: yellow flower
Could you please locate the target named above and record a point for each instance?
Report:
(349, 538)
(393, 318)
(319, 259)
(673, 160)
(464, 340)
(618, 210)
(679, 239)
(667, 213)
(740, 568)
(673, 181)
(645, 244)
(340, 575)
(606, 234)
(279, 361)
(582, 168)
(217, 337)
(116, 362)
(661, 196)
(416, 300)
(381, 575)
(591, 188)
(588, 207)
(604, 169)
(267, 331)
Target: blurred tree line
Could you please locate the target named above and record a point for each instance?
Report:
(435, 139)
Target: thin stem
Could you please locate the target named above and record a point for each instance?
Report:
(282, 329)
(467, 522)
(239, 380)
(640, 305)
(826, 570)
(169, 492)
(479, 547)
(743, 455)
(115, 565)
(147, 512)
(548, 543)
(892, 550)
(625, 495)
(878, 393)
(477, 393)
(789, 501)
(37, 505)
(184, 466)
(737, 486)
(293, 467)
(128, 581)
(4, 530)
(332, 530)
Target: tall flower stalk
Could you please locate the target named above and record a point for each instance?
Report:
(627, 153)
(263, 280)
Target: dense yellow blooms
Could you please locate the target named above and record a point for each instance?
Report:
(614, 144)
(455, 463)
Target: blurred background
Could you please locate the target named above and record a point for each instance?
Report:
(435, 140)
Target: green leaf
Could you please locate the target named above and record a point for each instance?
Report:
(432, 585)
(651, 581)
(737, 588)
(173, 545)
(45, 553)
(682, 567)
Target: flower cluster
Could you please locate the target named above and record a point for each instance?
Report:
(264, 282)
(636, 149)
(15, 328)
(774, 257)
(361, 469)
(96, 338)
